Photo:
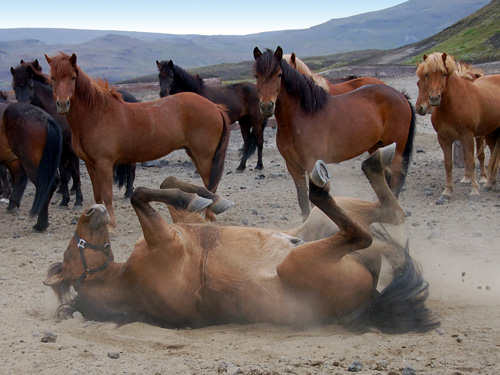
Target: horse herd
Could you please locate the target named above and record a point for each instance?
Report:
(192, 272)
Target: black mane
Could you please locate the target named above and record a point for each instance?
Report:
(184, 81)
(312, 97)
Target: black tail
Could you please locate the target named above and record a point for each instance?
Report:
(401, 305)
(47, 169)
(219, 155)
(407, 153)
(121, 174)
(252, 142)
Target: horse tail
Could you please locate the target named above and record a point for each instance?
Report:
(220, 153)
(407, 153)
(401, 305)
(253, 141)
(47, 169)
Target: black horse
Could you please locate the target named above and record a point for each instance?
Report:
(240, 99)
(32, 86)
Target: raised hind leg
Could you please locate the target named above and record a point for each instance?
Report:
(446, 145)
(480, 142)
(299, 178)
(470, 176)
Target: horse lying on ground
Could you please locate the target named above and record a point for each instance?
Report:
(192, 273)
(463, 106)
(332, 88)
(240, 99)
(107, 131)
(30, 146)
(313, 125)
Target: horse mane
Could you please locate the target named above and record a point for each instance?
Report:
(37, 73)
(302, 68)
(92, 92)
(187, 79)
(434, 63)
(312, 97)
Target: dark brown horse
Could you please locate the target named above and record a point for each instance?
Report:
(30, 146)
(107, 131)
(240, 99)
(314, 125)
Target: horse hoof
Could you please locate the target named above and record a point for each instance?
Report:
(65, 312)
(64, 203)
(240, 169)
(319, 175)
(259, 167)
(483, 180)
(442, 200)
(221, 205)
(387, 153)
(40, 227)
(198, 204)
(4, 201)
(465, 181)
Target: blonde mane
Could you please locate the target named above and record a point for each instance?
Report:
(302, 68)
(443, 63)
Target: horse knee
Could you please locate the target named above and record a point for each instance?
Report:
(139, 196)
(169, 182)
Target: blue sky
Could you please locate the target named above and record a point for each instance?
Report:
(182, 16)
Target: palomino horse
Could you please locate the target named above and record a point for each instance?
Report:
(314, 125)
(462, 108)
(30, 144)
(332, 88)
(106, 130)
(32, 86)
(192, 273)
(240, 99)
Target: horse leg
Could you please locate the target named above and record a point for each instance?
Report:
(75, 175)
(468, 143)
(245, 133)
(19, 181)
(130, 180)
(219, 204)
(299, 178)
(43, 217)
(64, 172)
(446, 145)
(4, 183)
(259, 130)
(481, 156)
(493, 166)
(104, 184)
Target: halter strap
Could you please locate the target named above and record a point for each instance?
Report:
(82, 245)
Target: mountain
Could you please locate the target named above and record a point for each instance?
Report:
(120, 55)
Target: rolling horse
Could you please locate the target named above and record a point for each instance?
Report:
(30, 147)
(194, 273)
(240, 99)
(314, 125)
(107, 131)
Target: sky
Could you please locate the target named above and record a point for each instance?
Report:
(183, 16)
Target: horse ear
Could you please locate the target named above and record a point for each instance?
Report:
(256, 53)
(424, 57)
(12, 71)
(170, 64)
(47, 58)
(36, 64)
(292, 58)
(158, 65)
(21, 62)
(72, 59)
(278, 53)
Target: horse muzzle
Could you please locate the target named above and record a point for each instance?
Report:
(435, 101)
(62, 106)
(422, 109)
(267, 108)
(98, 216)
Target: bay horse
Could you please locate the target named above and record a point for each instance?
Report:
(30, 147)
(191, 273)
(32, 86)
(313, 125)
(107, 131)
(463, 106)
(332, 88)
(239, 98)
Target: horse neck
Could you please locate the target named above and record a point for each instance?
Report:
(183, 81)
(456, 88)
(44, 98)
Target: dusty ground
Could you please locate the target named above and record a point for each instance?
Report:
(458, 245)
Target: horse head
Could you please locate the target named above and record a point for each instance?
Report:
(432, 75)
(22, 80)
(268, 73)
(166, 76)
(63, 75)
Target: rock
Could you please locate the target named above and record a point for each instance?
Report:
(428, 192)
(48, 337)
(408, 371)
(420, 151)
(356, 366)
(260, 177)
(113, 355)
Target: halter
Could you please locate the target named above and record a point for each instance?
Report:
(82, 245)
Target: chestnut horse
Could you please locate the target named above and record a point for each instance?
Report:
(332, 88)
(30, 146)
(192, 273)
(314, 125)
(240, 99)
(106, 130)
(462, 107)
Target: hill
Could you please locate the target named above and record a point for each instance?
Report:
(121, 55)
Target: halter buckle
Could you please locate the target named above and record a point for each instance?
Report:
(82, 244)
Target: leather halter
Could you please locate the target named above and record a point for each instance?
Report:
(82, 245)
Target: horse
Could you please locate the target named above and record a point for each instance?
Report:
(191, 273)
(463, 106)
(107, 131)
(240, 99)
(314, 125)
(349, 84)
(30, 147)
(32, 86)
(3, 97)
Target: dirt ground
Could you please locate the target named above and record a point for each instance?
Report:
(457, 244)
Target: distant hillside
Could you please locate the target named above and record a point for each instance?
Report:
(122, 55)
